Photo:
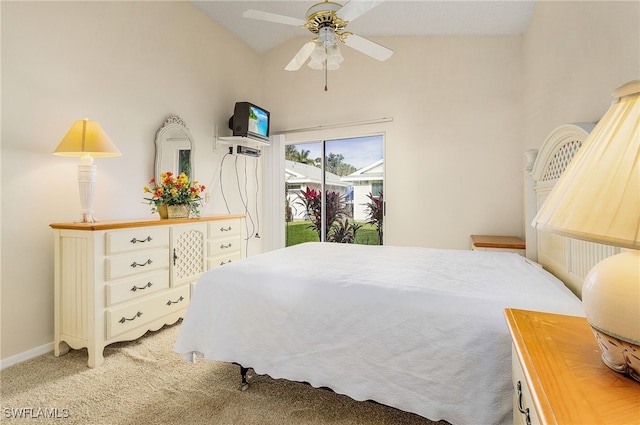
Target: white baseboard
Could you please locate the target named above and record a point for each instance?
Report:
(19, 358)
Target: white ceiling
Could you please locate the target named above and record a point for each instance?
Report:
(393, 17)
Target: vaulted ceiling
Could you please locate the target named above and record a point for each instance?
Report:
(390, 18)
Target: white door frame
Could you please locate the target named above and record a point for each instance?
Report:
(274, 199)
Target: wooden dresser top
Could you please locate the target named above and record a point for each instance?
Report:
(567, 379)
(125, 224)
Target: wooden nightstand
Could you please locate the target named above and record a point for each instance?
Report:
(558, 375)
(497, 243)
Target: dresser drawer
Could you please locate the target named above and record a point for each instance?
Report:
(522, 402)
(224, 228)
(136, 262)
(136, 239)
(225, 246)
(136, 287)
(221, 260)
(132, 315)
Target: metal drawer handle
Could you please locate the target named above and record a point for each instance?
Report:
(226, 229)
(124, 319)
(134, 264)
(223, 246)
(222, 263)
(175, 302)
(522, 410)
(147, 239)
(135, 288)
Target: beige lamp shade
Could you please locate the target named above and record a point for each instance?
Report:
(597, 198)
(86, 137)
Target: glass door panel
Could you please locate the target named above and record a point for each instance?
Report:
(303, 183)
(334, 191)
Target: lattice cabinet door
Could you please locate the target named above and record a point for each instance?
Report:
(188, 252)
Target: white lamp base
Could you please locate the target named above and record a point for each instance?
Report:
(611, 299)
(86, 218)
(86, 184)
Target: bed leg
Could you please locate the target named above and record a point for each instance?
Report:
(243, 373)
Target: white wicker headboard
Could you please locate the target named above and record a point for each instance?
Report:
(568, 259)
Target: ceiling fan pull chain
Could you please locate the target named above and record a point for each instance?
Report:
(325, 76)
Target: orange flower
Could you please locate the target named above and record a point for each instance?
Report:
(174, 191)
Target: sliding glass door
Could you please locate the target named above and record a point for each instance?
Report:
(334, 191)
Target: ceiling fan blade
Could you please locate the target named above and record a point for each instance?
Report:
(300, 57)
(368, 47)
(272, 17)
(357, 8)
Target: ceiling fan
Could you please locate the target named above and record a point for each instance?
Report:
(328, 22)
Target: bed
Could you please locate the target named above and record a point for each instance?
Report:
(418, 329)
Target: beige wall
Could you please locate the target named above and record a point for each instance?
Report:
(127, 65)
(576, 53)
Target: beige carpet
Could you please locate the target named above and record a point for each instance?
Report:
(145, 382)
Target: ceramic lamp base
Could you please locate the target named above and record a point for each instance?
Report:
(621, 356)
(611, 299)
(86, 184)
(86, 218)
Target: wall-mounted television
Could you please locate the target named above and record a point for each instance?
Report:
(250, 121)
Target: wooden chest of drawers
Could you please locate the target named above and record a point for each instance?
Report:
(114, 281)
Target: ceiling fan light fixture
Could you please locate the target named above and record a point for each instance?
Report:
(319, 53)
(327, 36)
(316, 65)
(334, 55)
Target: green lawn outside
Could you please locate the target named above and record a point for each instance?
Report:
(298, 232)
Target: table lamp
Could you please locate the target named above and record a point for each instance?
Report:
(597, 199)
(87, 140)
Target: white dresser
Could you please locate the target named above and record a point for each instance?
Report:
(114, 281)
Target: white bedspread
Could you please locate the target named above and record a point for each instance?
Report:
(418, 329)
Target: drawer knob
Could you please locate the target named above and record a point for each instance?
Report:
(175, 302)
(124, 319)
(225, 229)
(134, 264)
(223, 246)
(135, 288)
(147, 239)
(521, 408)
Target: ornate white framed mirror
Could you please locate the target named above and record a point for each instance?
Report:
(174, 149)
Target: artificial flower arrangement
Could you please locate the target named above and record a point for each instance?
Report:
(173, 190)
